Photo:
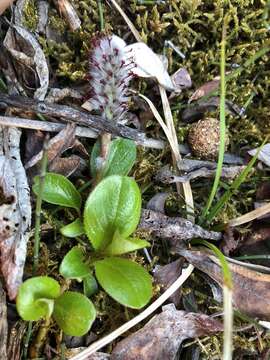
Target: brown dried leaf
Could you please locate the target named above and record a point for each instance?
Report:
(15, 210)
(57, 145)
(65, 166)
(166, 275)
(205, 89)
(63, 141)
(30, 60)
(162, 336)
(251, 288)
(175, 230)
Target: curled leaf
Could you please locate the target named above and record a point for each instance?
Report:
(148, 64)
(33, 300)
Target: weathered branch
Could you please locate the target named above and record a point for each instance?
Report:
(80, 117)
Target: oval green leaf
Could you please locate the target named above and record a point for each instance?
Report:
(59, 190)
(114, 205)
(73, 229)
(121, 158)
(121, 245)
(74, 313)
(73, 265)
(125, 281)
(33, 300)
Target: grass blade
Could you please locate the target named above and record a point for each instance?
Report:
(222, 125)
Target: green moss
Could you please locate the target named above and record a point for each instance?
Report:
(30, 15)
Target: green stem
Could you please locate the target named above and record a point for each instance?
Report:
(27, 339)
(101, 16)
(43, 168)
(40, 339)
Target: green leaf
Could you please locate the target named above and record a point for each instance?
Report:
(73, 265)
(121, 158)
(74, 313)
(115, 204)
(59, 190)
(35, 297)
(73, 229)
(125, 281)
(121, 245)
(90, 286)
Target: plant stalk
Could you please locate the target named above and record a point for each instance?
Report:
(40, 339)
(43, 168)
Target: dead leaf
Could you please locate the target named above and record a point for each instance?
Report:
(205, 89)
(263, 191)
(15, 210)
(148, 64)
(163, 335)
(3, 324)
(65, 166)
(33, 144)
(63, 141)
(69, 13)
(29, 57)
(157, 202)
(166, 275)
(175, 230)
(264, 154)
(250, 288)
(181, 80)
(196, 111)
(256, 242)
(15, 340)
